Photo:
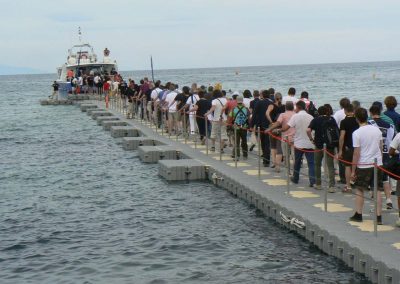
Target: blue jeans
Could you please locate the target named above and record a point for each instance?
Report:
(298, 155)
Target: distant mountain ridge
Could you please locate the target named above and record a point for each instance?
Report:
(15, 70)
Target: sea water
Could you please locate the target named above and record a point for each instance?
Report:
(76, 208)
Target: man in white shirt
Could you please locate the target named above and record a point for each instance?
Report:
(290, 97)
(302, 143)
(218, 123)
(190, 103)
(367, 143)
(171, 108)
(155, 100)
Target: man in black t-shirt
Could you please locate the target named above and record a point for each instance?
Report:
(55, 90)
(347, 126)
(318, 125)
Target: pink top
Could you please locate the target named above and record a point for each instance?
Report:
(284, 119)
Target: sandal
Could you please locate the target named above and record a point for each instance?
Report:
(346, 189)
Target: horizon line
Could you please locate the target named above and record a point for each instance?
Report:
(221, 67)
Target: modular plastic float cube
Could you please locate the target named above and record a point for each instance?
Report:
(132, 143)
(181, 170)
(96, 114)
(91, 110)
(101, 119)
(152, 154)
(124, 131)
(85, 107)
(108, 124)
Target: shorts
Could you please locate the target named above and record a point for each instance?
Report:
(174, 116)
(218, 129)
(348, 156)
(273, 142)
(365, 179)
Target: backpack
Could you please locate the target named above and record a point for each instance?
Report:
(331, 133)
(241, 117)
(312, 110)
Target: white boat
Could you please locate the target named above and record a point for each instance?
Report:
(83, 61)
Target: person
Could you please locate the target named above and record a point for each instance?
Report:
(272, 113)
(391, 104)
(180, 100)
(171, 109)
(290, 96)
(190, 103)
(260, 120)
(130, 94)
(218, 127)
(55, 90)
(367, 143)
(280, 123)
(247, 98)
(387, 137)
(339, 115)
(303, 146)
(345, 151)
(201, 107)
(382, 115)
(320, 125)
(311, 108)
(240, 119)
(154, 99)
(394, 151)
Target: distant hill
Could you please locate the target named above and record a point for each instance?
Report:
(13, 70)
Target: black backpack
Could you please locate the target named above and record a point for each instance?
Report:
(331, 133)
(312, 110)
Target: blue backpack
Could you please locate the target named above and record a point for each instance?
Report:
(241, 116)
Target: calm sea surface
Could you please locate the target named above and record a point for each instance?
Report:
(76, 208)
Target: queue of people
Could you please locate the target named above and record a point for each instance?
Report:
(355, 137)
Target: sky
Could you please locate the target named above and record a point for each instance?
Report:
(35, 35)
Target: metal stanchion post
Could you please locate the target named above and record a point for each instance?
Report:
(259, 151)
(220, 142)
(162, 123)
(156, 122)
(185, 126)
(287, 164)
(376, 197)
(326, 181)
(206, 123)
(235, 146)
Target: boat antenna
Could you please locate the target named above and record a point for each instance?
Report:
(80, 34)
(152, 70)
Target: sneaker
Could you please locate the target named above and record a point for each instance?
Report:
(331, 189)
(252, 147)
(356, 217)
(317, 186)
(379, 220)
(293, 181)
(389, 204)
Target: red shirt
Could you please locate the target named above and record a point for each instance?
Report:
(106, 86)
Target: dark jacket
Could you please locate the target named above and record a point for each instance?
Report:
(259, 117)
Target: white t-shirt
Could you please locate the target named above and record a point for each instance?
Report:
(246, 102)
(192, 100)
(154, 93)
(368, 138)
(115, 86)
(300, 122)
(96, 79)
(289, 99)
(395, 144)
(339, 116)
(170, 99)
(219, 104)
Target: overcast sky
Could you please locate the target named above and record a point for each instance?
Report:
(200, 33)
